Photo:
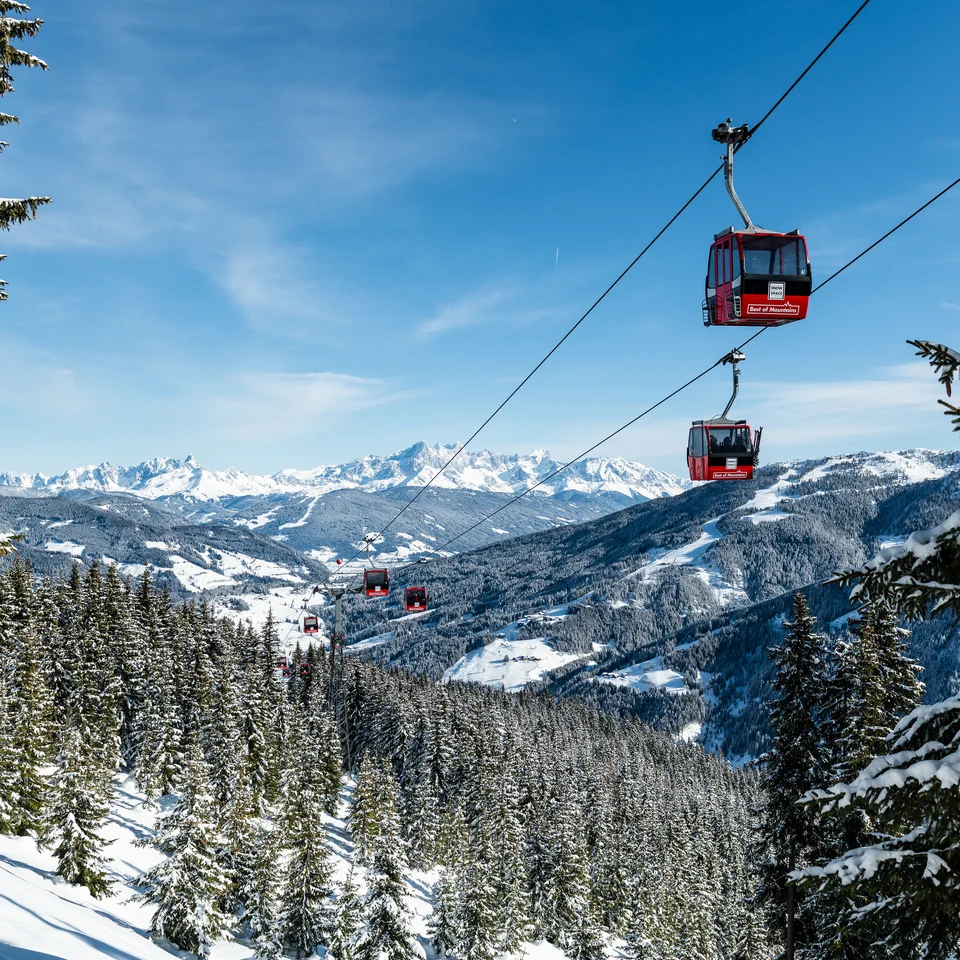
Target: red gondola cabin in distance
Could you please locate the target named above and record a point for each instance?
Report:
(311, 624)
(415, 599)
(376, 583)
(756, 279)
(722, 450)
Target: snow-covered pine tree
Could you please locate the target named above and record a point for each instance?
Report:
(366, 809)
(8, 761)
(190, 884)
(14, 29)
(33, 734)
(78, 810)
(905, 883)
(348, 921)
(387, 935)
(261, 895)
(323, 731)
(792, 767)
(442, 924)
(306, 917)
(900, 682)
(158, 727)
(909, 881)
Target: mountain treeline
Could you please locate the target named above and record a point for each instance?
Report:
(542, 818)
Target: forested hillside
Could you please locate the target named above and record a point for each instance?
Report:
(671, 605)
(543, 818)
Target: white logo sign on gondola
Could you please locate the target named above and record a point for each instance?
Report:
(776, 290)
(731, 463)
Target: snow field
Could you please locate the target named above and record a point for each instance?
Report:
(694, 556)
(508, 664)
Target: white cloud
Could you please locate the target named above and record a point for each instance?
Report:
(950, 306)
(356, 143)
(269, 282)
(265, 406)
(491, 305)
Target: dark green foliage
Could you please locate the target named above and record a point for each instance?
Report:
(188, 886)
(12, 30)
(794, 765)
(545, 814)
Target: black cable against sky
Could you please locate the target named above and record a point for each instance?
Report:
(691, 381)
(626, 270)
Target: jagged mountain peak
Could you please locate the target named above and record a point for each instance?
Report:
(415, 465)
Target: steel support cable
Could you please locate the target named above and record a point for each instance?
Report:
(625, 271)
(691, 381)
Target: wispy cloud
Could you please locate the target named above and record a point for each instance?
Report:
(355, 143)
(950, 306)
(39, 383)
(264, 405)
(270, 282)
(853, 409)
(490, 305)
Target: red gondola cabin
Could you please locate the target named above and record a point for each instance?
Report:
(415, 599)
(722, 450)
(283, 667)
(376, 583)
(756, 279)
(304, 671)
(311, 624)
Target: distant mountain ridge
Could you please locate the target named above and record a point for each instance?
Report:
(166, 477)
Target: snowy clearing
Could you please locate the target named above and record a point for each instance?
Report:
(197, 579)
(694, 555)
(508, 664)
(67, 546)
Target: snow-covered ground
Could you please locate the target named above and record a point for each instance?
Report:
(43, 918)
(695, 555)
(646, 676)
(652, 675)
(66, 546)
(508, 664)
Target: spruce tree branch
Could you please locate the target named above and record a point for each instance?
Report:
(14, 57)
(944, 361)
(20, 211)
(18, 29)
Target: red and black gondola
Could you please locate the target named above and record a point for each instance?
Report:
(304, 671)
(311, 624)
(722, 450)
(376, 582)
(756, 279)
(415, 599)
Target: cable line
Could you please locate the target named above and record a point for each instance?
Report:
(625, 271)
(659, 403)
(691, 381)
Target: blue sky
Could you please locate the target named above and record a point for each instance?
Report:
(294, 234)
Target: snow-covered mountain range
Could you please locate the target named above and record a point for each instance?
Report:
(165, 477)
